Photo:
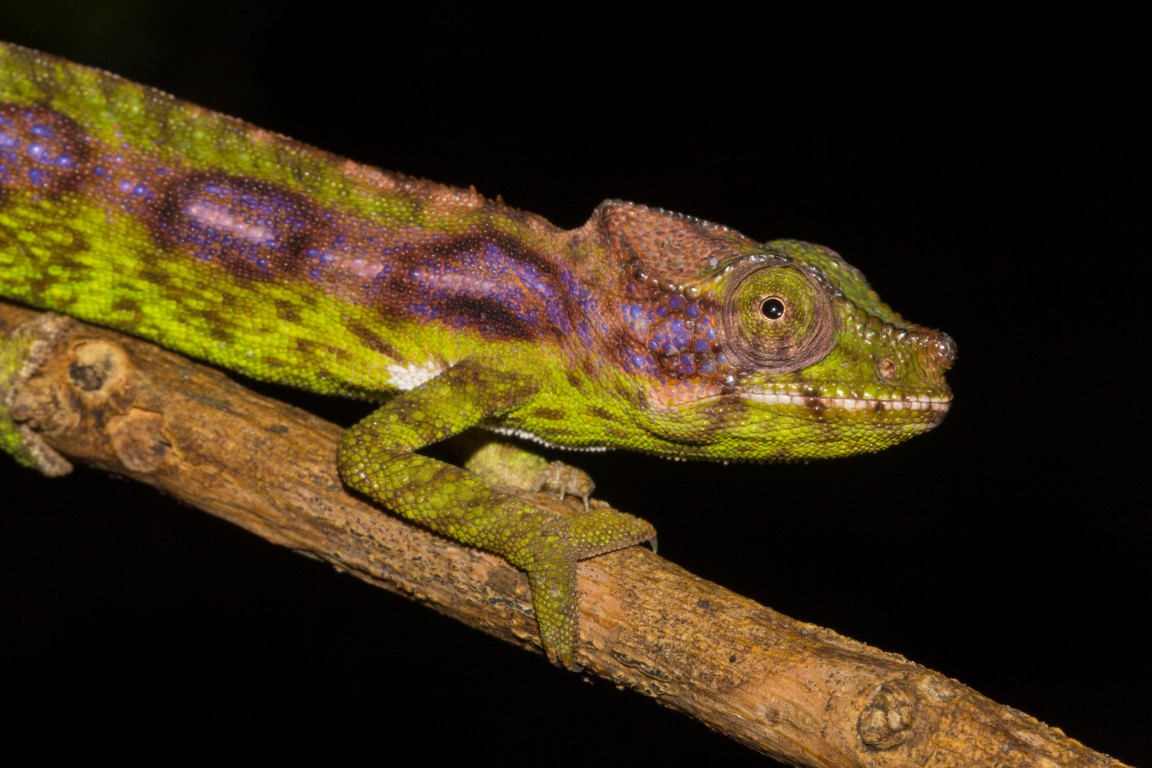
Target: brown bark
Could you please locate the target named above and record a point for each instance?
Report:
(800, 693)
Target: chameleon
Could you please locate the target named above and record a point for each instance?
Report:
(643, 330)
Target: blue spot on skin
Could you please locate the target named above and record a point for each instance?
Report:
(585, 334)
(676, 302)
(139, 190)
(34, 150)
(701, 345)
(693, 311)
(638, 363)
(314, 253)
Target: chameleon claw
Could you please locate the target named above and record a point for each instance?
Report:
(565, 481)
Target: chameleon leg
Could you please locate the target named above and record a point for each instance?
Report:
(377, 457)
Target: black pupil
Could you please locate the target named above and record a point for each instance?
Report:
(773, 309)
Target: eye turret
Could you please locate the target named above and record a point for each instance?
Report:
(777, 318)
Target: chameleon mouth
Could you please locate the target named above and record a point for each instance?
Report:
(895, 402)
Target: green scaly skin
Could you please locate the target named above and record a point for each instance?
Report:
(643, 329)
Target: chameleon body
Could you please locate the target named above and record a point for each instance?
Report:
(643, 329)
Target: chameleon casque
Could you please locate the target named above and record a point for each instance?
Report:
(643, 329)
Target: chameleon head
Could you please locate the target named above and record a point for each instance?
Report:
(768, 351)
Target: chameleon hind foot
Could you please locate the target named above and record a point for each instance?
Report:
(564, 480)
(22, 353)
(508, 464)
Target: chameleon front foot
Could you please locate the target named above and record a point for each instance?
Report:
(494, 504)
(550, 561)
(561, 533)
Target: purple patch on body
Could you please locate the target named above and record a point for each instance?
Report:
(479, 279)
(252, 228)
(40, 149)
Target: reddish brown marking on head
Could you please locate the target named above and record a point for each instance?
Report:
(670, 246)
(41, 150)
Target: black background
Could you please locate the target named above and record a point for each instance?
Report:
(982, 168)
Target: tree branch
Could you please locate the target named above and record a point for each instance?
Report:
(800, 693)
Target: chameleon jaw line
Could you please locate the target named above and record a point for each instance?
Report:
(908, 403)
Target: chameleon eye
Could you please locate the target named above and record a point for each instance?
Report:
(772, 308)
(777, 319)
